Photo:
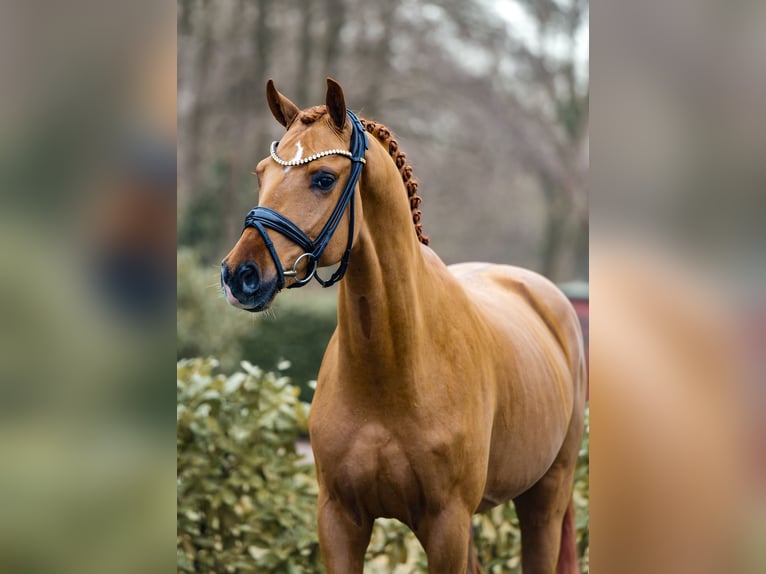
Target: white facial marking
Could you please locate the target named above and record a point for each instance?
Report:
(298, 155)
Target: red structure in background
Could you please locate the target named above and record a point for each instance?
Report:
(578, 294)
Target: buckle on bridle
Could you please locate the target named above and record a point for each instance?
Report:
(294, 271)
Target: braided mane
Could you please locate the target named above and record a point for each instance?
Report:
(384, 136)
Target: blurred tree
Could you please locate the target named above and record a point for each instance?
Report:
(492, 110)
(306, 45)
(336, 20)
(562, 114)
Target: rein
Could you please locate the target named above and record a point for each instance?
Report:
(262, 217)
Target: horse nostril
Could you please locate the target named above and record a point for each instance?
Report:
(249, 277)
(225, 273)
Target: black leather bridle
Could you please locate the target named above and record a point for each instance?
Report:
(262, 217)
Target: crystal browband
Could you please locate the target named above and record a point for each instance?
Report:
(305, 160)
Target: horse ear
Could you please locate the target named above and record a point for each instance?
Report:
(283, 109)
(336, 103)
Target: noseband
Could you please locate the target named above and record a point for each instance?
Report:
(262, 217)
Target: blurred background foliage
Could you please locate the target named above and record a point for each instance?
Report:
(298, 326)
(489, 99)
(246, 498)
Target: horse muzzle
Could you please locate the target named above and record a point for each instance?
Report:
(245, 288)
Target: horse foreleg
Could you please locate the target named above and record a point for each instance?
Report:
(342, 541)
(446, 538)
(473, 561)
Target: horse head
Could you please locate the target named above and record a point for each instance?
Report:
(306, 214)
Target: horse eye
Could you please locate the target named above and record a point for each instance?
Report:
(323, 181)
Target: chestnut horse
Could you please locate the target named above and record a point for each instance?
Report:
(445, 390)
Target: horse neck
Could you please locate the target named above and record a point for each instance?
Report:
(380, 311)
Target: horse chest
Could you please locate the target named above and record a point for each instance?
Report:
(370, 472)
(375, 472)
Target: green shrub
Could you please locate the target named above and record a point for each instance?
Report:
(246, 502)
